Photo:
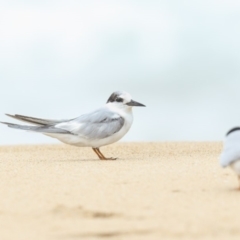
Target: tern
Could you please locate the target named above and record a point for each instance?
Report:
(231, 151)
(101, 127)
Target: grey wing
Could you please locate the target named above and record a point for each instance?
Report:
(99, 124)
(35, 121)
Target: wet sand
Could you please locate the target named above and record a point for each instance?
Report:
(153, 191)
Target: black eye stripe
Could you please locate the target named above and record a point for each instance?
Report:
(115, 97)
(119, 100)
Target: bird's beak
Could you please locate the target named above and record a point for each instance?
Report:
(135, 104)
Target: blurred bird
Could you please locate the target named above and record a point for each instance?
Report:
(231, 151)
(101, 127)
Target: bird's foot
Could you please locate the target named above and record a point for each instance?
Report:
(111, 158)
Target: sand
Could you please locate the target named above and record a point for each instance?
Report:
(153, 191)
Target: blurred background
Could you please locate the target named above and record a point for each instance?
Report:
(59, 59)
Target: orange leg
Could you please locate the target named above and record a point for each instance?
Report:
(95, 150)
(101, 156)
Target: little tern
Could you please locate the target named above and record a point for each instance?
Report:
(231, 151)
(101, 127)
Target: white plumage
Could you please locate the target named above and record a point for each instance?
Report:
(231, 151)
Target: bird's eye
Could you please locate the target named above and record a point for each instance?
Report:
(119, 100)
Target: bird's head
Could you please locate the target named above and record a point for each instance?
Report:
(123, 100)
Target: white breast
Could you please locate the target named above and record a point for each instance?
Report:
(128, 120)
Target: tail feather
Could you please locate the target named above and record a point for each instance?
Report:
(40, 129)
(36, 121)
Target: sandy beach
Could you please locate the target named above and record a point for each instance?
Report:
(153, 191)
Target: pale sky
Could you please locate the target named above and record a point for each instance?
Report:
(60, 59)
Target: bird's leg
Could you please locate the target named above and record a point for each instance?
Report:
(103, 157)
(95, 150)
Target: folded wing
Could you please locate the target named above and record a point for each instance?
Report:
(99, 124)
